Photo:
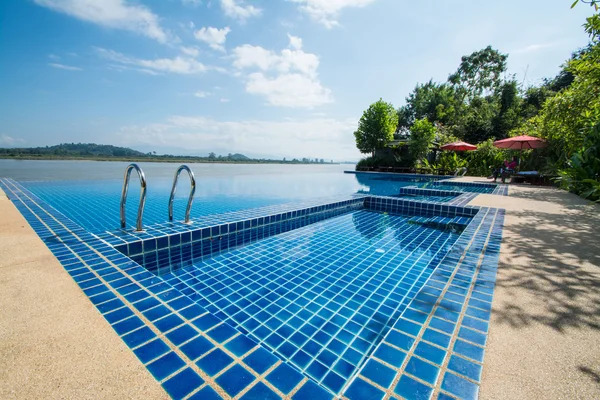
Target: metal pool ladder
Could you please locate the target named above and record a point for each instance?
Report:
(130, 167)
(191, 197)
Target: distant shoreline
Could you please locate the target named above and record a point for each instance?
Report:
(155, 159)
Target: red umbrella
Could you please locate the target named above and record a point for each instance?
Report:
(520, 143)
(459, 146)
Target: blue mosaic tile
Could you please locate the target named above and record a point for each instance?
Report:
(260, 360)
(240, 345)
(151, 350)
(390, 355)
(214, 362)
(469, 350)
(183, 384)
(197, 348)
(460, 387)
(422, 370)
(411, 389)
(165, 366)
(472, 336)
(206, 393)
(234, 380)
(181, 335)
(378, 373)
(400, 340)
(127, 325)
(464, 367)
(360, 389)
(260, 391)
(437, 338)
(284, 378)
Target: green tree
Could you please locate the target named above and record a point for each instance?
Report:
(477, 122)
(376, 127)
(509, 112)
(567, 118)
(434, 101)
(479, 72)
(422, 135)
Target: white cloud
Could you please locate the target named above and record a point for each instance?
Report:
(214, 37)
(202, 94)
(177, 65)
(289, 90)
(190, 51)
(117, 14)
(295, 42)
(53, 57)
(9, 141)
(287, 79)
(224, 100)
(326, 11)
(236, 9)
(317, 137)
(65, 67)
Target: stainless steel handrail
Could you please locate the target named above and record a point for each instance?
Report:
(174, 189)
(140, 214)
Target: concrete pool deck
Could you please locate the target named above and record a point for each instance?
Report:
(545, 325)
(543, 340)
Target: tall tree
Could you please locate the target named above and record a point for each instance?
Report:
(376, 127)
(509, 112)
(422, 135)
(476, 125)
(479, 72)
(435, 101)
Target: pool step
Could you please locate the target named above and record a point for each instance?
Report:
(454, 223)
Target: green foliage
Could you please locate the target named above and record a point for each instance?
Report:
(477, 123)
(582, 175)
(92, 151)
(451, 161)
(376, 127)
(76, 149)
(509, 113)
(479, 72)
(485, 158)
(422, 135)
(436, 102)
(565, 119)
(370, 162)
(593, 3)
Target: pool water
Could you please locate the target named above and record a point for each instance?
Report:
(441, 199)
(95, 204)
(342, 299)
(320, 297)
(459, 188)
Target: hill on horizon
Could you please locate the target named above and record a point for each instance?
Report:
(103, 150)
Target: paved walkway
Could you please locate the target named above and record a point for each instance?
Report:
(53, 341)
(544, 340)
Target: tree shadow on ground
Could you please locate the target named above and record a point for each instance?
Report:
(591, 373)
(551, 268)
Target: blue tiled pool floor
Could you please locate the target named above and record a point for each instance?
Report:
(322, 296)
(434, 348)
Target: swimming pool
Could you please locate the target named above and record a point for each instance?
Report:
(95, 204)
(320, 297)
(354, 294)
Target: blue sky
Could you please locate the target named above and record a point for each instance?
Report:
(267, 78)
